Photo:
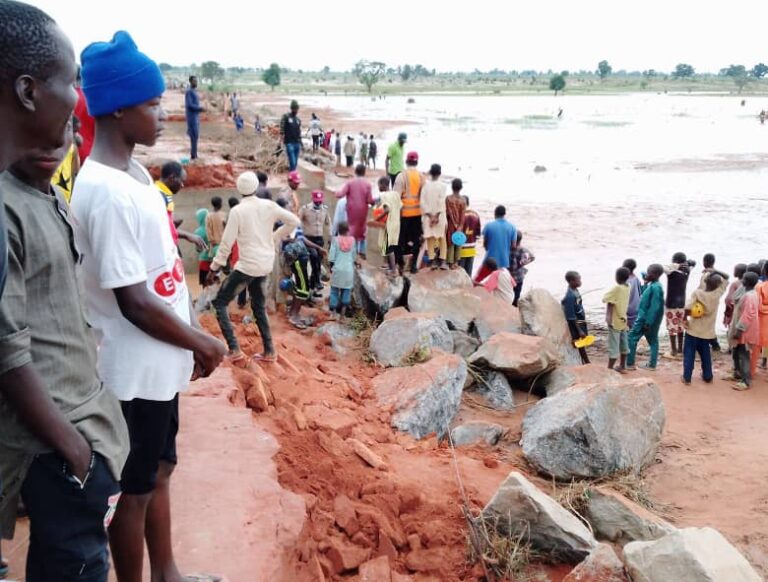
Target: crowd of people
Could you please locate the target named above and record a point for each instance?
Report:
(637, 310)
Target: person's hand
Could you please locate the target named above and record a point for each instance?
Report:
(79, 459)
(210, 278)
(737, 334)
(208, 355)
(582, 334)
(199, 243)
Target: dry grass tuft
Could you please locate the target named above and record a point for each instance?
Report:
(504, 556)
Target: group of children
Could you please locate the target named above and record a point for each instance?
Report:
(636, 310)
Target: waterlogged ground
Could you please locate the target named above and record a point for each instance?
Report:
(641, 175)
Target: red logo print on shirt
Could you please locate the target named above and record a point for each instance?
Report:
(165, 286)
(178, 271)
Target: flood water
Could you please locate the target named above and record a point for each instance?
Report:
(635, 175)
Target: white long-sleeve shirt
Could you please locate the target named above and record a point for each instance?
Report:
(251, 225)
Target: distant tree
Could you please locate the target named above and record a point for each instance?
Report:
(271, 76)
(738, 73)
(165, 67)
(557, 83)
(326, 70)
(237, 70)
(421, 71)
(369, 72)
(211, 70)
(759, 71)
(406, 72)
(650, 73)
(604, 69)
(683, 71)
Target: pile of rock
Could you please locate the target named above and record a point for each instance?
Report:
(652, 550)
(592, 424)
(579, 431)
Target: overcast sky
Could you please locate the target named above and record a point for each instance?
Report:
(446, 35)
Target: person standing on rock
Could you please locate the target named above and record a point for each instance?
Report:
(573, 309)
(359, 196)
(250, 226)
(472, 229)
(138, 304)
(433, 218)
(455, 211)
(409, 184)
(650, 314)
(617, 300)
(700, 329)
(394, 164)
(390, 234)
(290, 132)
(193, 109)
(499, 240)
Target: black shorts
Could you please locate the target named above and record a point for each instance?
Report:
(152, 427)
(410, 235)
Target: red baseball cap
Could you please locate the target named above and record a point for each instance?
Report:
(412, 157)
(294, 177)
(318, 196)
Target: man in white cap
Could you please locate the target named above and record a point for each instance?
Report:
(250, 225)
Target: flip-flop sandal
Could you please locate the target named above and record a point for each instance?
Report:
(270, 359)
(4, 569)
(298, 324)
(203, 578)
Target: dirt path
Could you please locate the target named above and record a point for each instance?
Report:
(714, 457)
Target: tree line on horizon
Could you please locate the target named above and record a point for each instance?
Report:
(369, 73)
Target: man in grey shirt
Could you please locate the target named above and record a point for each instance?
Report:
(63, 439)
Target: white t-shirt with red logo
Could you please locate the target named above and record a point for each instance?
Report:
(121, 229)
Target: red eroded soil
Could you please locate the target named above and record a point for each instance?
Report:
(409, 511)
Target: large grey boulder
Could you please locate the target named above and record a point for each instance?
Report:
(425, 397)
(519, 507)
(564, 377)
(476, 431)
(688, 555)
(592, 430)
(542, 315)
(375, 293)
(403, 335)
(602, 565)
(519, 356)
(448, 293)
(615, 518)
(341, 338)
(495, 316)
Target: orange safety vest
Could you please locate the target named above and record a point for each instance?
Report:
(412, 196)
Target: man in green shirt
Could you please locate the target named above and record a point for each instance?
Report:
(395, 163)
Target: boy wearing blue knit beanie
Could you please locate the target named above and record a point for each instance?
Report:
(150, 343)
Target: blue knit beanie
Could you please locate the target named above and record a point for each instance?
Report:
(116, 75)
